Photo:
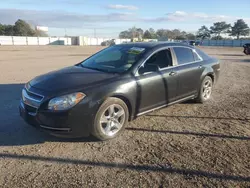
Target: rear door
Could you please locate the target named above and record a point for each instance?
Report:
(189, 70)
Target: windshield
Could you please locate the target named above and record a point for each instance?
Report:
(116, 59)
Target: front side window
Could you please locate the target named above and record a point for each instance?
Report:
(116, 59)
(162, 59)
(184, 55)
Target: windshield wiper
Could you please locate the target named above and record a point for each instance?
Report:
(98, 69)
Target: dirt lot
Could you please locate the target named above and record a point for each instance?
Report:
(185, 145)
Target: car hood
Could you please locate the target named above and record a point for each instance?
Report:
(70, 78)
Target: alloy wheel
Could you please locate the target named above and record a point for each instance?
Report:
(207, 89)
(112, 119)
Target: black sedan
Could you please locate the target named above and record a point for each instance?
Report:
(99, 95)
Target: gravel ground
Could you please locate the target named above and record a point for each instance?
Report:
(185, 145)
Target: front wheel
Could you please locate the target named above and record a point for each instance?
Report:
(205, 90)
(110, 119)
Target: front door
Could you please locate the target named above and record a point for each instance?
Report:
(156, 87)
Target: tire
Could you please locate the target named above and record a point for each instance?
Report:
(206, 86)
(110, 123)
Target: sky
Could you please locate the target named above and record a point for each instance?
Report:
(106, 18)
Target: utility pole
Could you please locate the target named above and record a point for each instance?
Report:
(94, 33)
(65, 31)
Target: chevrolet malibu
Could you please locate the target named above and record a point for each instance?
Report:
(99, 95)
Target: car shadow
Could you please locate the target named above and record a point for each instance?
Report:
(199, 117)
(246, 60)
(13, 130)
(237, 60)
(163, 168)
(233, 55)
(189, 133)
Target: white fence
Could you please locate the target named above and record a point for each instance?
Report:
(14, 40)
(97, 41)
(230, 43)
(81, 40)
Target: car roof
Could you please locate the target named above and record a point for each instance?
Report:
(149, 45)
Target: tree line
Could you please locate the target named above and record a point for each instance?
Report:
(152, 34)
(20, 28)
(239, 28)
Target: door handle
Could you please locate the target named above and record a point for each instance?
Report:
(200, 66)
(172, 73)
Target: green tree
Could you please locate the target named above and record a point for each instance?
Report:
(139, 33)
(133, 31)
(125, 35)
(203, 33)
(152, 33)
(217, 38)
(180, 37)
(147, 35)
(171, 34)
(240, 28)
(184, 33)
(9, 30)
(190, 36)
(21, 28)
(176, 34)
(2, 29)
(220, 27)
(162, 33)
(40, 33)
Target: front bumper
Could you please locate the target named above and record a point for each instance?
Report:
(72, 123)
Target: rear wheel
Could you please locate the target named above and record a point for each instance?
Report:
(110, 119)
(205, 90)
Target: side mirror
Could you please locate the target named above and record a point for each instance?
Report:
(148, 68)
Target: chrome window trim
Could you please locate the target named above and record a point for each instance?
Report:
(193, 50)
(160, 49)
(162, 106)
(174, 59)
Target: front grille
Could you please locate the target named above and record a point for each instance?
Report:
(35, 96)
(30, 108)
(31, 99)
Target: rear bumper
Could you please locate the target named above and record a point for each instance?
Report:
(72, 123)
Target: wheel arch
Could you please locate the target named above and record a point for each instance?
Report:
(127, 102)
(211, 75)
(208, 71)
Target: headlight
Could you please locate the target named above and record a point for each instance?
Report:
(65, 102)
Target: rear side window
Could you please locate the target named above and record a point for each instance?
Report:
(202, 54)
(196, 57)
(184, 55)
